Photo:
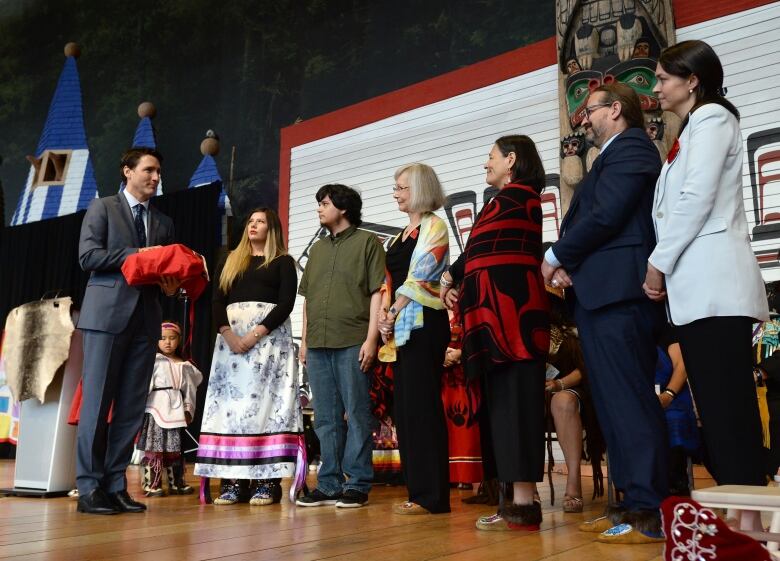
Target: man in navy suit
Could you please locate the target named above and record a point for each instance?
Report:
(601, 258)
(121, 327)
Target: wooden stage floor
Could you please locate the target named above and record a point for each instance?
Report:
(178, 528)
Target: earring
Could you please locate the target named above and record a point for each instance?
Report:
(690, 91)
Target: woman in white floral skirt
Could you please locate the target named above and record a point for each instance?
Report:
(252, 431)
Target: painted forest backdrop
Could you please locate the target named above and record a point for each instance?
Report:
(242, 68)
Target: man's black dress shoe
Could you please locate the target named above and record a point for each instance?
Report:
(125, 503)
(96, 502)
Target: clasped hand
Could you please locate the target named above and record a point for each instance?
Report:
(240, 345)
(556, 277)
(654, 285)
(449, 297)
(386, 324)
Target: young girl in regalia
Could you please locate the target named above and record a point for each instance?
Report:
(169, 409)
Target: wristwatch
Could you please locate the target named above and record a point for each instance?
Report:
(393, 311)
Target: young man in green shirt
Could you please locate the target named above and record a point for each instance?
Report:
(340, 335)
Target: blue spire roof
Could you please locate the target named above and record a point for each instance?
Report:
(64, 128)
(206, 173)
(144, 135)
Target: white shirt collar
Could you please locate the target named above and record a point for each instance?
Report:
(608, 142)
(133, 201)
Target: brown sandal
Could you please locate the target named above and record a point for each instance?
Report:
(409, 507)
(572, 504)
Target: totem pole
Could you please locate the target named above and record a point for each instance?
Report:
(599, 42)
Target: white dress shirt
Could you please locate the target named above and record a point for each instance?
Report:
(133, 202)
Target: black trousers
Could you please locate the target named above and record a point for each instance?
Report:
(718, 358)
(512, 422)
(419, 414)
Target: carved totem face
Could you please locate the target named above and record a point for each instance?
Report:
(602, 42)
(639, 75)
(572, 145)
(578, 88)
(655, 128)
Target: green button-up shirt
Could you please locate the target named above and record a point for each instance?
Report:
(342, 273)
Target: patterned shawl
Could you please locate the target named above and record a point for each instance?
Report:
(430, 259)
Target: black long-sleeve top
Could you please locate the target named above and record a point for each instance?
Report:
(275, 284)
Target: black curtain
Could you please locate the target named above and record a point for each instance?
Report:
(41, 259)
(198, 226)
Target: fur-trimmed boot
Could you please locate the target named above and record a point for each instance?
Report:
(613, 515)
(522, 517)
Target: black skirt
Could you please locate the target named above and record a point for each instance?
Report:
(512, 421)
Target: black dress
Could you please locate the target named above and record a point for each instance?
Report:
(418, 411)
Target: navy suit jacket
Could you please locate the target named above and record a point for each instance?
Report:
(108, 236)
(607, 233)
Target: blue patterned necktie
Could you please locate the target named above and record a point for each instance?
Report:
(139, 225)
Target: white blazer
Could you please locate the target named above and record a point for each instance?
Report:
(699, 215)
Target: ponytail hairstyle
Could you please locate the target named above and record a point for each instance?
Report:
(697, 58)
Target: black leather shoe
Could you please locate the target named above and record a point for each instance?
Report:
(96, 502)
(125, 503)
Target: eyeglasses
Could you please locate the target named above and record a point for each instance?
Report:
(591, 108)
(397, 188)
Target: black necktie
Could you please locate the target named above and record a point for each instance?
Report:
(139, 225)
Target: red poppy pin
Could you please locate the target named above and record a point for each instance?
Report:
(673, 151)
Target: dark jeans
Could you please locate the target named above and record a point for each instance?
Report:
(338, 387)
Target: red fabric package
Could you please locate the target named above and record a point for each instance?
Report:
(175, 260)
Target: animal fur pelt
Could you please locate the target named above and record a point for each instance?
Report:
(37, 342)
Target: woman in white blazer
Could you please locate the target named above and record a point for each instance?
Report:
(703, 264)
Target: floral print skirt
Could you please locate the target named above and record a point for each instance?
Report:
(252, 421)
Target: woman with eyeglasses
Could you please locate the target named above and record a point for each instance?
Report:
(703, 264)
(506, 317)
(416, 329)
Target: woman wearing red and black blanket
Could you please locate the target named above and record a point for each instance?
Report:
(505, 314)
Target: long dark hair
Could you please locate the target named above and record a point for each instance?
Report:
(528, 168)
(698, 58)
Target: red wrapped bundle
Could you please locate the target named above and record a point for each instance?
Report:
(176, 260)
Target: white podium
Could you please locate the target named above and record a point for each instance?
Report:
(46, 450)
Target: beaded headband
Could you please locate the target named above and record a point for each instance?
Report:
(171, 326)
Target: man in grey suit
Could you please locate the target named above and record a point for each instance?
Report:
(121, 327)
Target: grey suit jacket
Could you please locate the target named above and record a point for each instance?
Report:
(108, 236)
